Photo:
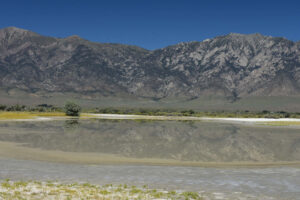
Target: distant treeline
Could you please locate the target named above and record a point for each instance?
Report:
(157, 112)
(23, 108)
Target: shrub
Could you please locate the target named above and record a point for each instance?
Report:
(16, 108)
(72, 109)
(2, 107)
(265, 112)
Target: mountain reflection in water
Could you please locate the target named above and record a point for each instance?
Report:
(182, 141)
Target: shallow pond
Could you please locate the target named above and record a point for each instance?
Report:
(157, 153)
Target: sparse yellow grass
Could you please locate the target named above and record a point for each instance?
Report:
(29, 115)
(16, 115)
(87, 115)
(282, 123)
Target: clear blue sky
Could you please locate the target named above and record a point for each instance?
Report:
(153, 23)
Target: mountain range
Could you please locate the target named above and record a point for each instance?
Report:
(233, 67)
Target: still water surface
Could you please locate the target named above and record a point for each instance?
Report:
(157, 153)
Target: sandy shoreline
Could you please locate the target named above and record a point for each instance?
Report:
(121, 116)
(30, 120)
(253, 119)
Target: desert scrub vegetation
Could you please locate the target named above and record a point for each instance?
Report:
(24, 108)
(53, 190)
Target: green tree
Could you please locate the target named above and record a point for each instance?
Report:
(72, 109)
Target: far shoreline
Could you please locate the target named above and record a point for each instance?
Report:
(48, 116)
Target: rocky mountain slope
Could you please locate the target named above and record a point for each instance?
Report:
(233, 65)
